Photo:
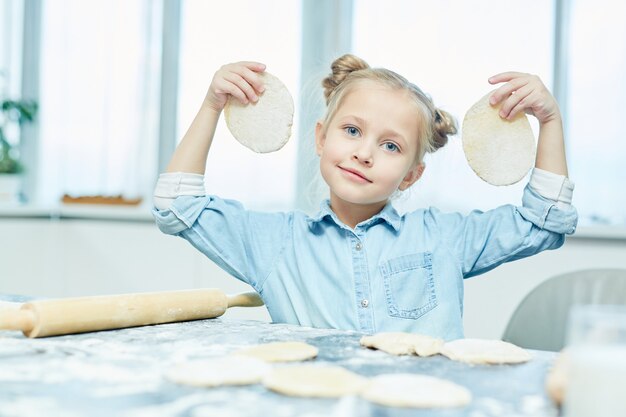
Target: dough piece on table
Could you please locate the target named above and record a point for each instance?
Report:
(501, 152)
(415, 391)
(264, 126)
(227, 370)
(280, 351)
(400, 343)
(314, 381)
(556, 380)
(483, 351)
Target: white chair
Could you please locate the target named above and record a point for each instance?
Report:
(540, 320)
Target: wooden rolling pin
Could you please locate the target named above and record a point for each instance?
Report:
(89, 314)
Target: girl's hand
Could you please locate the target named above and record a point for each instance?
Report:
(524, 92)
(240, 80)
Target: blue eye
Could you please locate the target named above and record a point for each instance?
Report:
(352, 131)
(391, 147)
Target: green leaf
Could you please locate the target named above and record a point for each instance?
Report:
(21, 111)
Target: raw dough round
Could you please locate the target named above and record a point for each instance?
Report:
(556, 380)
(501, 152)
(483, 351)
(264, 126)
(228, 370)
(416, 391)
(314, 381)
(400, 343)
(281, 351)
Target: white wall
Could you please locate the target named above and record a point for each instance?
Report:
(68, 258)
(62, 258)
(490, 299)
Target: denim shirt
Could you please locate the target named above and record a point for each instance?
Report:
(389, 273)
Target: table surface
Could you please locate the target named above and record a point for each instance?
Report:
(120, 373)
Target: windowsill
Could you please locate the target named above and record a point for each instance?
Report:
(604, 232)
(141, 213)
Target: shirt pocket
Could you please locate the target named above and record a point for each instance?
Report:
(409, 285)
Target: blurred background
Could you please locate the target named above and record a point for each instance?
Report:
(96, 94)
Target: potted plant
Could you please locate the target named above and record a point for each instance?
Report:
(13, 114)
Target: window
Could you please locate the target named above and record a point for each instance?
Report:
(449, 49)
(101, 72)
(216, 33)
(10, 56)
(10, 47)
(595, 106)
(100, 75)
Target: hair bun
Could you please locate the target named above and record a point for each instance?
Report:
(444, 125)
(341, 68)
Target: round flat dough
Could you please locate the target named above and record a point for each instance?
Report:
(314, 381)
(264, 126)
(483, 351)
(400, 343)
(556, 380)
(228, 370)
(280, 351)
(501, 152)
(415, 391)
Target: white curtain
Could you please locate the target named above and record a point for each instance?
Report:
(216, 33)
(596, 107)
(100, 77)
(10, 47)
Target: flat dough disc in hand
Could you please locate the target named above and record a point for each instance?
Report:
(314, 381)
(264, 126)
(501, 152)
(415, 391)
(484, 351)
(280, 351)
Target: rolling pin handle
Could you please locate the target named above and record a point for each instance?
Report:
(14, 319)
(246, 299)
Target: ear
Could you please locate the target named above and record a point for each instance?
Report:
(412, 176)
(320, 138)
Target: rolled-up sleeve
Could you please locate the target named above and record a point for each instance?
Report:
(244, 243)
(547, 214)
(181, 215)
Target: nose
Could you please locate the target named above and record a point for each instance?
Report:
(363, 154)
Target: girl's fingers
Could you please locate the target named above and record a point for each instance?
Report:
(249, 71)
(229, 88)
(252, 65)
(243, 85)
(245, 76)
(253, 79)
(505, 76)
(523, 92)
(507, 89)
(516, 102)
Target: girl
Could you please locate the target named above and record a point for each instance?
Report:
(358, 264)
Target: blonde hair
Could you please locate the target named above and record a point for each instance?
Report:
(348, 70)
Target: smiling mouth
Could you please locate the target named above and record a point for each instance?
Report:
(354, 174)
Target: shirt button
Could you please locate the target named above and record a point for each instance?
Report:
(365, 303)
(358, 246)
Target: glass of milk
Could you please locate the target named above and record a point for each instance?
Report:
(596, 343)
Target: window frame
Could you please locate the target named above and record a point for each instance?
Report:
(315, 20)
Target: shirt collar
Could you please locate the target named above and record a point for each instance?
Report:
(388, 214)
